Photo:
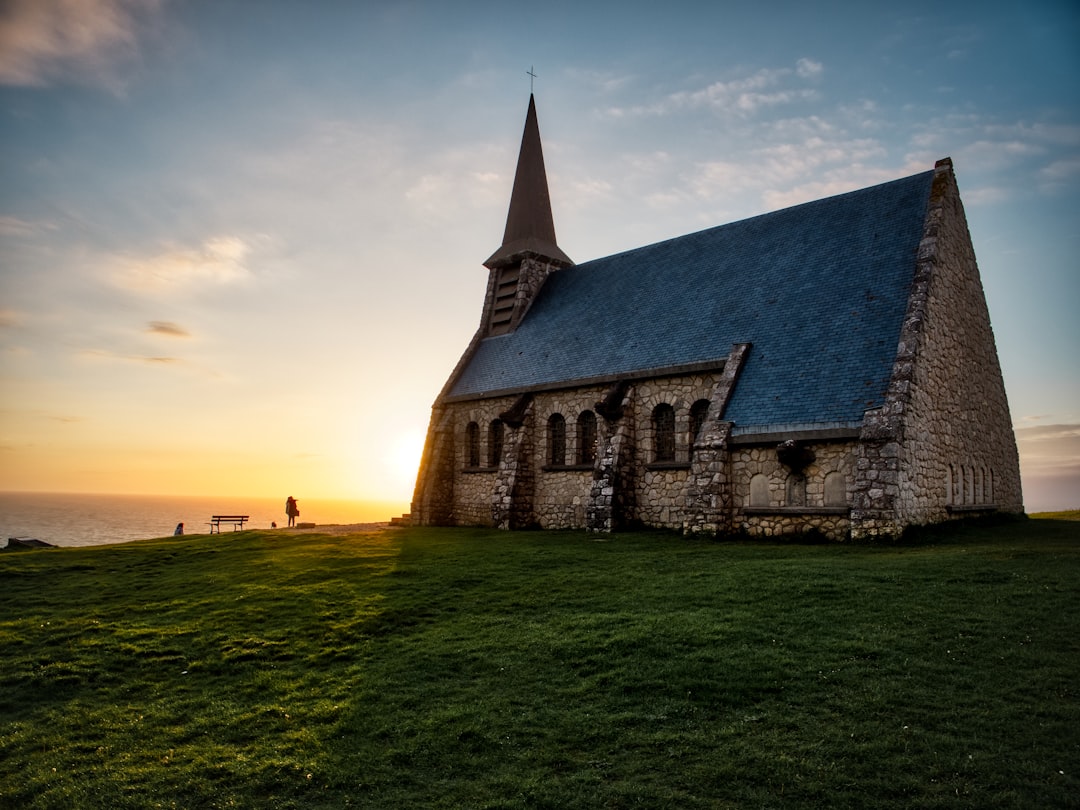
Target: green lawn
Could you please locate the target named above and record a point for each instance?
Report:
(469, 668)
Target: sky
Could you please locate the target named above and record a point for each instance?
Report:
(241, 243)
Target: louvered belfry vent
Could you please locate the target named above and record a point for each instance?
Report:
(502, 310)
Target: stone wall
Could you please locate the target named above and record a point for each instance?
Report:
(532, 273)
(561, 491)
(782, 514)
(562, 498)
(959, 414)
(660, 488)
(626, 485)
(946, 418)
(474, 488)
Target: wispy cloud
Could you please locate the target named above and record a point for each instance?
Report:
(603, 81)
(1060, 174)
(101, 354)
(167, 329)
(1049, 449)
(809, 69)
(766, 88)
(220, 260)
(457, 178)
(798, 170)
(1050, 152)
(13, 227)
(44, 41)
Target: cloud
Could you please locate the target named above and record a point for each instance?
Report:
(742, 96)
(220, 260)
(1047, 151)
(794, 171)
(1049, 449)
(768, 87)
(14, 227)
(101, 354)
(9, 319)
(1049, 465)
(985, 195)
(459, 178)
(602, 81)
(167, 328)
(809, 69)
(1059, 174)
(44, 41)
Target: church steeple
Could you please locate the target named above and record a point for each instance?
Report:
(530, 229)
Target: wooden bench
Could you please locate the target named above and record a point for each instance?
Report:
(237, 522)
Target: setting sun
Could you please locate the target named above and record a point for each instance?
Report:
(240, 254)
(403, 458)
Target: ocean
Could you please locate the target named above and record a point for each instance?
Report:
(65, 519)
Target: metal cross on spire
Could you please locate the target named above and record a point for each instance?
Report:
(532, 76)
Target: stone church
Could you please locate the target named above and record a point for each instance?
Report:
(825, 368)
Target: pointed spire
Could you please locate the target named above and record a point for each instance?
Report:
(530, 228)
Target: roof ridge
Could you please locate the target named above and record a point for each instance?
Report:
(752, 217)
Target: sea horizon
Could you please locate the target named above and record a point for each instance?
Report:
(89, 519)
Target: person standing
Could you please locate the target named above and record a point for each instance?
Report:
(291, 510)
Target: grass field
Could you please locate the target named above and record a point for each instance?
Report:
(467, 668)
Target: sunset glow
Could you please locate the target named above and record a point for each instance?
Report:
(240, 252)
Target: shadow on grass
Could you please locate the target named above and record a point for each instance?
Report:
(472, 668)
(541, 670)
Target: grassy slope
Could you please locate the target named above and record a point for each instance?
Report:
(465, 668)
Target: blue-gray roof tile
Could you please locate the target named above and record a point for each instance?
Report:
(819, 289)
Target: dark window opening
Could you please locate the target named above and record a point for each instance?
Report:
(586, 438)
(698, 411)
(556, 440)
(664, 432)
(472, 445)
(495, 443)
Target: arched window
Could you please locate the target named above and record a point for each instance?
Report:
(586, 438)
(556, 440)
(835, 489)
(472, 445)
(949, 484)
(663, 416)
(698, 411)
(759, 490)
(495, 442)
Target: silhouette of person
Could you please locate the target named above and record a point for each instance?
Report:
(179, 529)
(291, 510)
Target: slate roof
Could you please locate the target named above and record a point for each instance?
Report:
(819, 289)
